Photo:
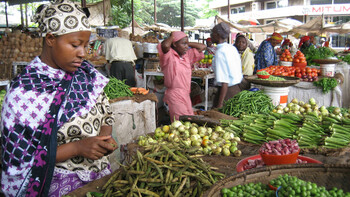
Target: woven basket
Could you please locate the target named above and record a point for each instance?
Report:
(328, 175)
(288, 82)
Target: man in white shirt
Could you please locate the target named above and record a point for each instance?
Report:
(227, 65)
(120, 53)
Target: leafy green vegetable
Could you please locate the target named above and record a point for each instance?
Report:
(326, 84)
(313, 53)
(345, 58)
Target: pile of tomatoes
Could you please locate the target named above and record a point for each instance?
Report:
(306, 74)
(299, 57)
(286, 56)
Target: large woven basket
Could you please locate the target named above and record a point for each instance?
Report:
(289, 81)
(328, 175)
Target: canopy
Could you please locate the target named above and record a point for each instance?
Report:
(160, 27)
(340, 29)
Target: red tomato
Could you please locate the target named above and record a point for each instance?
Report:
(298, 75)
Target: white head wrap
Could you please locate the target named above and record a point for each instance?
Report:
(61, 17)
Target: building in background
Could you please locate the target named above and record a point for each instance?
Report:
(265, 11)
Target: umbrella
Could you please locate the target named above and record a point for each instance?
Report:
(316, 26)
(249, 21)
(340, 29)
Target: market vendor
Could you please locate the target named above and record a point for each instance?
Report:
(120, 53)
(56, 120)
(210, 50)
(286, 44)
(305, 42)
(176, 56)
(227, 65)
(266, 54)
(247, 56)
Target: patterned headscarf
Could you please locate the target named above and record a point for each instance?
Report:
(61, 17)
(277, 36)
(303, 39)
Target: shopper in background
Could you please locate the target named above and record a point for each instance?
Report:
(176, 57)
(56, 122)
(266, 54)
(227, 65)
(247, 56)
(120, 53)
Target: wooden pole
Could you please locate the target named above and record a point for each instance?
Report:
(155, 11)
(104, 13)
(21, 8)
(228, 10)
(83, 3)
(7, 20)
(26, 11)
(182, 15)
(132, 16)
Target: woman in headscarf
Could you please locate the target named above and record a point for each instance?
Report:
(176, 57)
(227, 65)
(266, 54)
(247, 56)
(56, 122)
(305, 42)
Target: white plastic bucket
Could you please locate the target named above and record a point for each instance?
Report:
(327, 70)
(278, 95)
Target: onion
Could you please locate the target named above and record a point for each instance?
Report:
(176, 124)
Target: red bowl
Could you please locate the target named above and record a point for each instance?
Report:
(300, 65)
(263, 76)
(280, 159)
(240, 165)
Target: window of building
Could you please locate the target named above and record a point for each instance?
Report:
(276, 4)
(322, 2)
(340, 1)
(339, 40)
(237, 10)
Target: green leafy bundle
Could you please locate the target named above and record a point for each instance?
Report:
(313, 53)
(326, 84)
(345, 58)
(117, 88)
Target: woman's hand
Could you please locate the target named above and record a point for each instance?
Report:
(96, 147)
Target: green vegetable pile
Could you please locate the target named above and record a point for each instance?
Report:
(117, 88)
(2, 96)
(327, 84)
(247, 102)
(263, 73)
(162, 170)
(345, 58)
(290, 186)
(274, 78)
(312, 53)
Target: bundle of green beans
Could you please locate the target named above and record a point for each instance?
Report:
(162, 170)
(247, 102)
(117, 88)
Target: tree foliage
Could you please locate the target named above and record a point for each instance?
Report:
(168, 12)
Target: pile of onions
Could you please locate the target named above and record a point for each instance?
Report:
(279, 147)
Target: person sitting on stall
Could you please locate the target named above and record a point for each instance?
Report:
(210, 50)
(266, 54)
(227, 65)
(120, 53)
(247, 56)
(176, 56)
(56, 121)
